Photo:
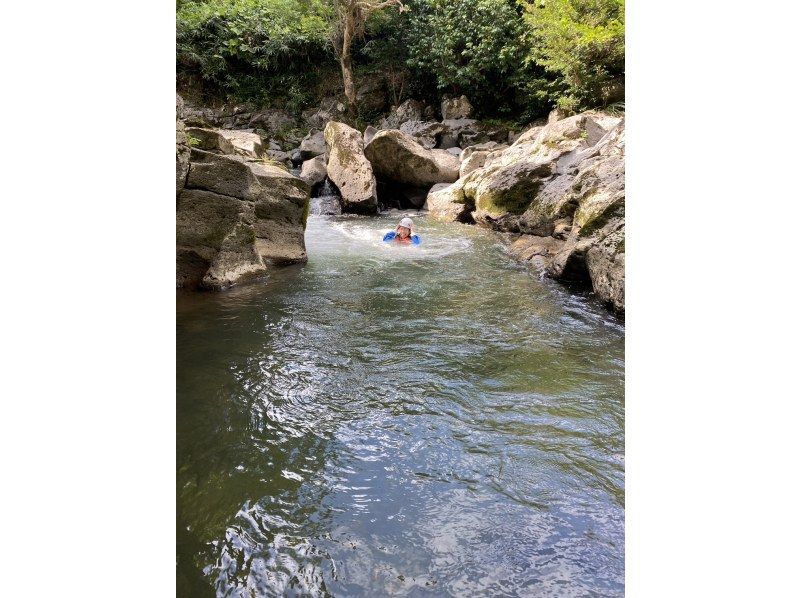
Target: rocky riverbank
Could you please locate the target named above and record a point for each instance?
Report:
(245, 178)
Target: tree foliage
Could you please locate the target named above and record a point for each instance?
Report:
(510, 57)
(467, 46)
(581, 43)
(229, 42)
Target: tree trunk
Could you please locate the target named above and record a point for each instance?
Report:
(347, 66)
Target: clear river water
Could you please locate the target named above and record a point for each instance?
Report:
(399, 421)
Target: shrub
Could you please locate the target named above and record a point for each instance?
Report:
(244, 47)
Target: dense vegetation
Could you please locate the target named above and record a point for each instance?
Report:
(512, 58)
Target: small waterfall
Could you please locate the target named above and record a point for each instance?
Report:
(325, 199)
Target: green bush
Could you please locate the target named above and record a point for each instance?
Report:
(581, 43)
(252, 48)
(475, 47)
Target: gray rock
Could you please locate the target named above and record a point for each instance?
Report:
(456, 108)
(181, 156)
(244, 143)
(349, 169)
(314, 171)
(272, 120)
(236, 219)
(473, 161)
(280, 157)
(447, 202)
(397, 157)
(210, 140)
(425, 133)
(371, 94)
(312, 145)
(369, 133)
(408, 110)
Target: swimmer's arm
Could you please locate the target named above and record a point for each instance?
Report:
(389, 236)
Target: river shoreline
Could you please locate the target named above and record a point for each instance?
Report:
(558, 186)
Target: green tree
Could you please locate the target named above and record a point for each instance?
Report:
(468, 46)
(581, 43)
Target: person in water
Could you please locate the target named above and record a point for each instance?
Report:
(403, 233)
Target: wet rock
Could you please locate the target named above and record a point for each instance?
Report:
(532, 248)
(181, 156)
(349, 169)
(595, 247)
(397, 157)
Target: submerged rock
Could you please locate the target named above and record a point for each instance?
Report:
(349, 169)
(236, 218)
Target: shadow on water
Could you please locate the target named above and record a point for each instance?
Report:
(399, 421)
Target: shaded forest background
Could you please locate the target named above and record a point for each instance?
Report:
(514, 59)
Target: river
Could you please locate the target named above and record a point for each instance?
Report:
(399, 421)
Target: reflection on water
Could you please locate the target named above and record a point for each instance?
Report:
(399, 421)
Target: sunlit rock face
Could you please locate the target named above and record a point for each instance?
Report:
(235, 219)
(349, 169)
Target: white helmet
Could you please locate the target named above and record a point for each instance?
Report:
(407, 223)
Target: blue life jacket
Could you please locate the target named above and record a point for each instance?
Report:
(392, 234)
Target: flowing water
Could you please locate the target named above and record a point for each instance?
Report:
(399, 421)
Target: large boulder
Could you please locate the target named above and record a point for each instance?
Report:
(349, 169)
(504, 190)
(595, 246)
(447, 202)
(397, 157)
(456, 108)
(244, 143)
(235, 219)
(312, 145)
